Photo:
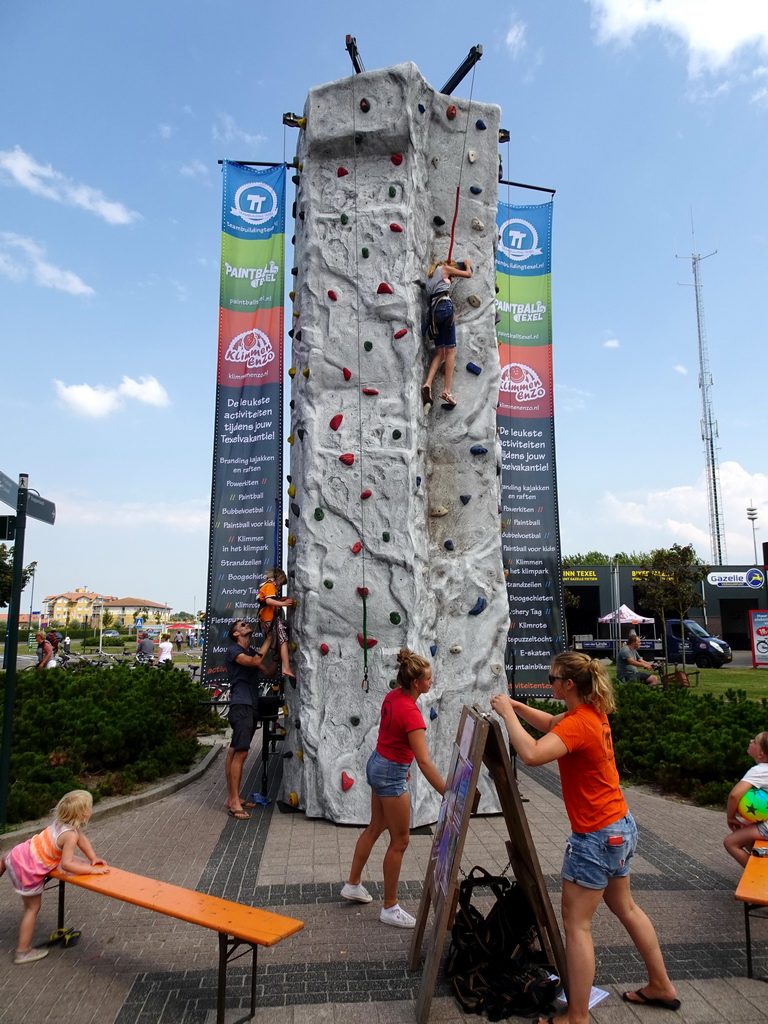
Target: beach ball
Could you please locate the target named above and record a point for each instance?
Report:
(753, 806)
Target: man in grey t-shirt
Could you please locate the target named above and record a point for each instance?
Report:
(629, 664)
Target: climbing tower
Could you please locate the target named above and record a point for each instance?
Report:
(394, 513)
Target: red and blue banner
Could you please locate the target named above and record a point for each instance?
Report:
(246, 494)
(525, 422)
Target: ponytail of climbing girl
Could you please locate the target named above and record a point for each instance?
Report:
(412, 667)
(592, 682)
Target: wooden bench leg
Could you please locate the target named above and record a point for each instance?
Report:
(748, 934)
(61, 904)
(227, 946)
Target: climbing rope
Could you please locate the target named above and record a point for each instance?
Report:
(461, 168)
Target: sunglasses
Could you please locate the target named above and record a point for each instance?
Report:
(553, 679)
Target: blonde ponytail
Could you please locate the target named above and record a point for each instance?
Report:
(412, 667)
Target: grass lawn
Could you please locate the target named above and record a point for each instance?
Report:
(754, 681)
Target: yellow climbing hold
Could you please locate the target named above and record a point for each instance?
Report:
(292, 491)
(290, 439)
(305, 373)
(293, 798)
(291, 541)
(292, 372)
(300, 754)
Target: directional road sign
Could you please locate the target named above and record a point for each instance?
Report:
(37, 507)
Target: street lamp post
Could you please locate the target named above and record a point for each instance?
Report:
(752, 517)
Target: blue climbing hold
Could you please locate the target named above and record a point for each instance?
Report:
(259, 799)
(432, 714)
(475, 190)
(433, 650)
(448, 545)
(474, 368)
(480, 606)
(480, 124)
(465, 498)
(422, 109)
(479, 449)
(418, 481)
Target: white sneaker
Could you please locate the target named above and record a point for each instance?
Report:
(356, 893)
(30, 956)
(397, 917)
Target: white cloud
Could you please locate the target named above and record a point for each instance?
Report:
(712, 31)
(611, 343)
(165, 131)
(515, 38)
(98, 401)
(679, 368)
(22, 258)
(195, 169)
(571, 399)
(227, 130)
(42, 180)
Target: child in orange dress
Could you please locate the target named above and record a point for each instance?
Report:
(271, 624)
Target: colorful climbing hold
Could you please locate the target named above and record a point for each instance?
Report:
(451, 112)
(346, 781)
(295, 178)
(292, 371)
(295, 509)
(477, 224)
(479, 449)
(287, 755)
(480, 124)
(347, 458)
(292, 490)
(324, 649)
(366, 252)
(293, 798)
(356, 548)
(449, 545)
(365, 106)
(401, 333)
(395, 227)
(291, 541)
(366, 494)
(358, 138)
(347, 373)
(433, 649)
(336, 421)
(354, 720)
(362, 591)
(474, 368)
(290, 439)
(480, 606)
(332, 296)
(300, 754)
(422, 108)
(291, 296)
(474, 300)
(392, 191)
(475, 190)
(418, 481)
(394, 618)
(386, 536)
(370, 391)
(319, 514)
(328, 584)
(301, 432)
(367, 345)
(465, 498)
(344, 218)
(392, 684)
(366, 642)
(397, 159)
(432, 714)
(342, 172)
(297, 336)
(439, 221)
(384, 289)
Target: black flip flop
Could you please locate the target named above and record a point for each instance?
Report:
(643, 1000)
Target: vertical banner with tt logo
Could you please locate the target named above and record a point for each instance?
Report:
(525, 421)
(246, 497)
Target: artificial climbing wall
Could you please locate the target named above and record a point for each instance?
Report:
(394, 515)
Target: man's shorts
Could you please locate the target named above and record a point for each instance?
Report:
(242, 718)
(592, 859)
(386, 778)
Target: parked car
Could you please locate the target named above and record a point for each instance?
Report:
(110, 632)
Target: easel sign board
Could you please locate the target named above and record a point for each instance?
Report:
(479, 742)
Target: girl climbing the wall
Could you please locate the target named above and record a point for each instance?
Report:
(272, 623)
(402, 739)
(440, 325)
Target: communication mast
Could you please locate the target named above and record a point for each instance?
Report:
(709, 432)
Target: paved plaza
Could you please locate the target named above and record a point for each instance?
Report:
(132, 966)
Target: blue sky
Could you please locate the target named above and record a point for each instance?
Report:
(639, 113)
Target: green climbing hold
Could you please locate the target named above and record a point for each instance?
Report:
(358, 137)
(367, 345)
(392, 684)
(386, 536)
(328, 584)
(366, 252)
(319, 514)
(397, 434)
(392, 191)
(344, 218)
(354, 720)
(394, 618)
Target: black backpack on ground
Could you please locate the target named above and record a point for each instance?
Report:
(492, 963)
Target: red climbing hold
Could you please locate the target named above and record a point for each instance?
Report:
(401, 333)
(348, 458)
(362, 591)
(369, 642)
(324, 649)
(342, 172)
(347, 373)
(332, 296)
(336, 421)
(346, 782)
(366, 494)
(451, 112)
(357, 547)
(395, 227)
(370, 391)
(397, 159)
(384, 289)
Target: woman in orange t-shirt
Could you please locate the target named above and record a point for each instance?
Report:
(599, 851)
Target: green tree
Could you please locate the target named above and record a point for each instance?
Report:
(107, 619)
(182, 617)
(672, 585)
(598, 558)
(6, 574)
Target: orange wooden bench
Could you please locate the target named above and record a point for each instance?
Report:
(236, 924)
(753, 891)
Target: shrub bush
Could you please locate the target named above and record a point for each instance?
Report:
(107, 641)
(121, 724)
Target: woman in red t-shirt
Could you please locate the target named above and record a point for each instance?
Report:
(402, 738)
(598, 853)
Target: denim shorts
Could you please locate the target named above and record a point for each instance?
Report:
(386, 778)
(593, 858)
